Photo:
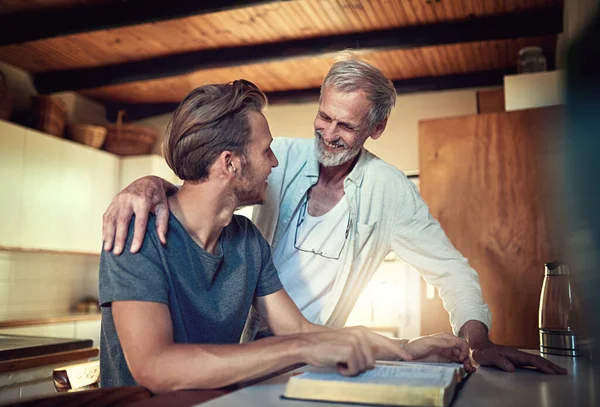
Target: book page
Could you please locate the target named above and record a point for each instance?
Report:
(459, 368)
(414, 375)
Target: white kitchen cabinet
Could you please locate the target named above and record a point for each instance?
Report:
(12, 146)
(59, 330)
(54, 191)
(41, 388)
(41, 217)
(75, 329)
(88, 330)
(9, 394)
(75, 198)
(105, 186)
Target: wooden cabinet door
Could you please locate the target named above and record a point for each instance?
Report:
(485, 179)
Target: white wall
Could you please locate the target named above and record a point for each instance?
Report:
(20, 85)
(534, 90)
(400, 143)
(81, 109)
(577, 14)
(159, 123)
(39, 284)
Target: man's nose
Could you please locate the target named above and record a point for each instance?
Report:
(330, 132)
(274, 161)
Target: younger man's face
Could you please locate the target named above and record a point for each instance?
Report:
(252, 186)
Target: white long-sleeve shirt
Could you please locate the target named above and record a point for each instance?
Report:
(387, 214)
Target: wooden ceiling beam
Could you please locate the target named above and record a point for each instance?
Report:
(21, 27)
(404, 86)
(546, 21)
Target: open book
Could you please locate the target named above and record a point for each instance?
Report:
(390, 383)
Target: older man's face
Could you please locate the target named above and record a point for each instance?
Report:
(341, 126)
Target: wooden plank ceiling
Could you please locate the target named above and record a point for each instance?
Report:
(272, 23)
(305, 73)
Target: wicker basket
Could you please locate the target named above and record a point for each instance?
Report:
(6, 99)
(50, 114)
(129, 139)
(87, 134)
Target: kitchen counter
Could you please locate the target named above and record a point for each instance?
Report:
(27, 363)
(53, 318)
(488, 387)
(20, 346)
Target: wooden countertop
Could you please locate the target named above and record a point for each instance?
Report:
(28, 319)
(24, 346)
(14, 365)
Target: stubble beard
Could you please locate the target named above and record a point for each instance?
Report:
(245, 191)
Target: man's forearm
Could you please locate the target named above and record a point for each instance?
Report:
(381, 353)
(191, 366)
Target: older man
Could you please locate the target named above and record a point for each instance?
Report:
(334, 211)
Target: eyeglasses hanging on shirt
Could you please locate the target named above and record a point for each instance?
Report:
(313, 245)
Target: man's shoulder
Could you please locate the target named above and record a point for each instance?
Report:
(378, 171)
(243, 233)
(241, 225)
(294, 147)
(150, 235)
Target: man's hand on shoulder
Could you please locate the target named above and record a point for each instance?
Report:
(146, 195)
(507, 358)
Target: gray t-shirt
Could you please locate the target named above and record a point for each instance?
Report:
(208, 295)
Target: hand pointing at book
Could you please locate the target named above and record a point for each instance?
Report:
(350, 350)
(440, 348)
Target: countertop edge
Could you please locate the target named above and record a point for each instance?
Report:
(13, 323)
(49, 359)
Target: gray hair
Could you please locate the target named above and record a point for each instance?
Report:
(350, 74)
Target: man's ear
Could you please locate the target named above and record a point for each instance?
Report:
(379, 128)
(228, 163)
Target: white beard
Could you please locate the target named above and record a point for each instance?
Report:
(333, 159)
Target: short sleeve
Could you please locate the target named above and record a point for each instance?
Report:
(268, 281)
(133, 277)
